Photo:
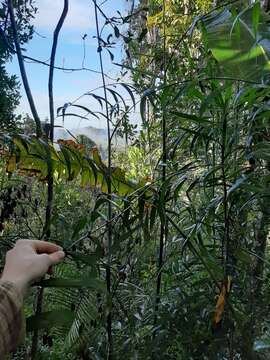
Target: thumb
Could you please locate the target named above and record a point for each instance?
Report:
(57, 257)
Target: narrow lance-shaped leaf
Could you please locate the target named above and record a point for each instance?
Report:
(50, 319)
(85, 109)
(87, 282)
(256, 17)
(248, 56)
(129, 90)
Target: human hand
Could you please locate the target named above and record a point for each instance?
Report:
(29, 261)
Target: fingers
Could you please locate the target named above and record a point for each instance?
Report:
(45, 247)
(57, 257)
(47, 261)
(41, 247)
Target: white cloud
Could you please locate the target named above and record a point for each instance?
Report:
(80, 16)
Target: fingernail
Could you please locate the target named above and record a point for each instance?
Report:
(62, 254)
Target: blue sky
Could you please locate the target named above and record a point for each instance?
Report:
(68, 86)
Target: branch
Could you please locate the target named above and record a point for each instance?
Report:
(25, 57)
(64, 68)
(22, 69)
(52, 62)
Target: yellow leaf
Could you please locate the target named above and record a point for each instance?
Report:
(11, 164)
(221, 302)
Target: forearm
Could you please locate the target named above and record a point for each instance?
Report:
(11, 317)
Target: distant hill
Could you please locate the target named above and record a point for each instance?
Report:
(99, 136)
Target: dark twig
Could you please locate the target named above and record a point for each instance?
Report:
(22, 69)
(45, 63)
(65, 68)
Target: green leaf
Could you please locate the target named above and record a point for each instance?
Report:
(95, 284)
(178, 185)
(236, 24)
(262, 151)
(129, 90)
(197, 119)
(115, 97)
(247, 57)
(50, 319)
(256, 17)
(67, 160)
(86, 109)
(78, 227)
(237, 184)
(90, 259)
(243, 256)
(76, 115)
(101, 100)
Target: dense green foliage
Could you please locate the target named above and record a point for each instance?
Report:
(166, 240)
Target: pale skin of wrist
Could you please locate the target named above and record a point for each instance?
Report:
(20, 285)
(29, 261)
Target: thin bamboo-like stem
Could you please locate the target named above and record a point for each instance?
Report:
(226, 236)
(52, 115)
(109, 217)
(225, 242)
(38, 310)
(22, 69)
(47, 226)
(163, 228)
(52, 65)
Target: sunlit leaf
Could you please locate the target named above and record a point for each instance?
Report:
(245, 57)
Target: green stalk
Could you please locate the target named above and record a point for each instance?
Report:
(48, 215)
(226, 235)
(109, 213)
(163, 228)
